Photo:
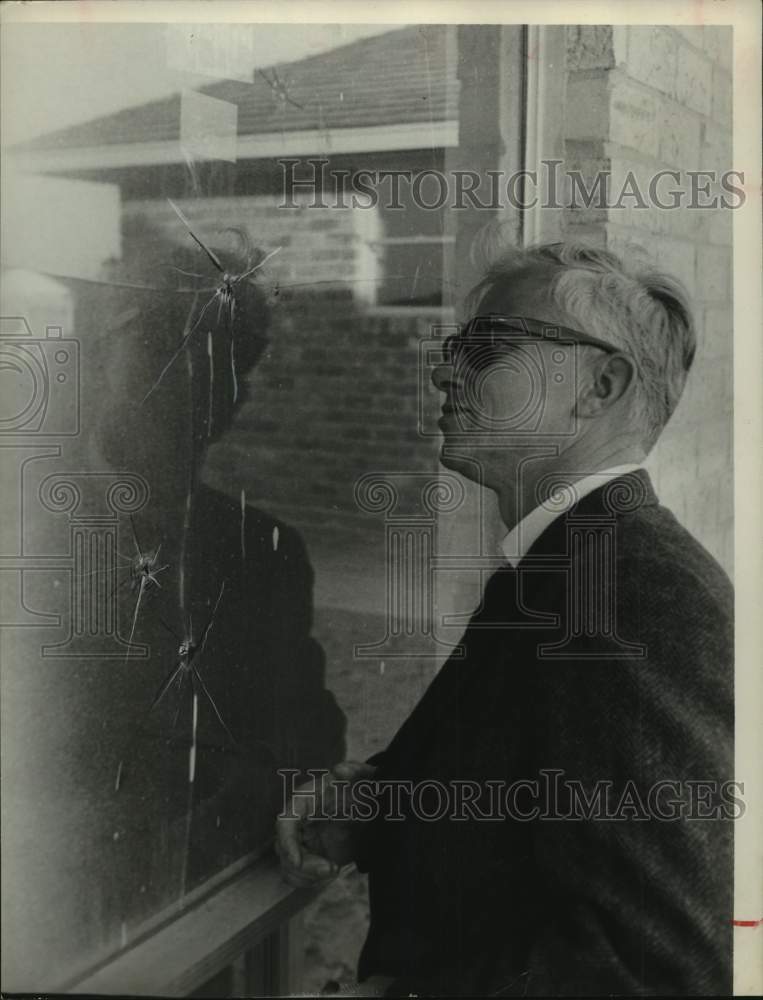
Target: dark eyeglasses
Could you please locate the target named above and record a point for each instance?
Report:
(478, 342)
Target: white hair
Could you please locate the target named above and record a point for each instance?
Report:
(629, 305)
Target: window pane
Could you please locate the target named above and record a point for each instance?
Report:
(201, 393)
(412, 274)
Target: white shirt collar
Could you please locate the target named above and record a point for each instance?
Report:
(517, 543)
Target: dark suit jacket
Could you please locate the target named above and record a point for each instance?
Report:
(622, 902)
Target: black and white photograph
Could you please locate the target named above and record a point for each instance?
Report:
(381, 420)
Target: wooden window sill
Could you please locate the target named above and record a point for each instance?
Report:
(202, 940)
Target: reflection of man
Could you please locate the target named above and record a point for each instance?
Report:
(266, 705)
(591, 717)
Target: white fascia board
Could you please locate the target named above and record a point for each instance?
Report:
(269, 145)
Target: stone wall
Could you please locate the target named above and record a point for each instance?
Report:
(644, 99)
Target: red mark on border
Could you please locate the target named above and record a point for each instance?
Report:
(747, 923)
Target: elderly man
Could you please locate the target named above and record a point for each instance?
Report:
(589, 716)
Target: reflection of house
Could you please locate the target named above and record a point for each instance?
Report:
(332, 393)
(385, 103)
(60, 225)
(474, 97)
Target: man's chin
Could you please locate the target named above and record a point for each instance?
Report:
(461, 462)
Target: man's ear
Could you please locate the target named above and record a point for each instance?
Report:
(607, 382)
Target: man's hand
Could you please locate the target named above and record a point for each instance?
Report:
(312, 850)
(375, 986)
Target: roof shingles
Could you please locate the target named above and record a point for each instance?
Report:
(401, 76)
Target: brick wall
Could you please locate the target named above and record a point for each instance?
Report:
(317, 245)
(643, 99)
(334, 397)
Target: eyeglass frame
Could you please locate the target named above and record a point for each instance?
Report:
(544, 331)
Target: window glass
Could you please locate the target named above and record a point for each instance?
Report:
(203, 387)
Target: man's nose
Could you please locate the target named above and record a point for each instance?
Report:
(442, 376)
